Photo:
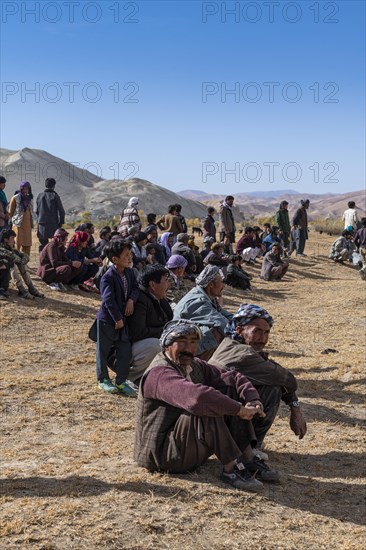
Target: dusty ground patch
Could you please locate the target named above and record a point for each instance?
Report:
(68, 480)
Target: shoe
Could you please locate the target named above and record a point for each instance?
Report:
(73, 287)
(260, 454)
(240, 478)
(126, 389)
(132, 385)
(32, 289)
(4, 293)
(2, 297)
(25, 294)
(263, 472)
(54, 286)
(63, 287)
(107, 386)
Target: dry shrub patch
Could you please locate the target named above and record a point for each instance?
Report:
(68, 478)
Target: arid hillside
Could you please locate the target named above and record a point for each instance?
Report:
(68, 479)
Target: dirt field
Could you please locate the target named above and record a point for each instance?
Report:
(68, 479)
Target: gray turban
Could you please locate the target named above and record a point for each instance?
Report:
(181, 237)
(175, 329)
(208, 275)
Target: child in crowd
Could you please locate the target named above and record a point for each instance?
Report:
(119, 292)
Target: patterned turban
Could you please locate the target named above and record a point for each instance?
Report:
(246, 314)
(208, 275)
(175, 329)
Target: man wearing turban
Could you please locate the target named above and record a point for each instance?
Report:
(188, 410)
(201, 306)
(242, 350)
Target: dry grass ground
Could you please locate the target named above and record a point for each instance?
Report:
(68, 480)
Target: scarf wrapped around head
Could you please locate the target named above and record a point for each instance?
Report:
(2, 193)
(78, 238)
(245, 315)
(59, 236)
(133, 202)
(164, 242)
(175, 329)
(25, 199)
(175, 261)
(208, 275)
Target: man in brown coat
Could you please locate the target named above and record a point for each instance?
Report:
(226, 222)
(170, 222)
(243, 351)
(188, 410)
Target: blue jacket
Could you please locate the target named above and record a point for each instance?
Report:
(113, 297)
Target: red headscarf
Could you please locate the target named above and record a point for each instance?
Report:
(78, 238)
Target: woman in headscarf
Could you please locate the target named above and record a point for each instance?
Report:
(167, 241)
(21, 213)
(130, 218)
(4, 214)
(78, 251)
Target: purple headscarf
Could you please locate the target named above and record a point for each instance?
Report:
(25, 199)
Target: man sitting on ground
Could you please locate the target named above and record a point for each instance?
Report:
(273, 267)
(152, 311)
(19, 266)
(243, 351)
(343, 248)
(182, 248)
(188, 410)
(201, 306)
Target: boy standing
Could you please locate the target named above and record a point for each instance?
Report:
(119, 291)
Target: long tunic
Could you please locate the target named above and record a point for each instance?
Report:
(24, 232)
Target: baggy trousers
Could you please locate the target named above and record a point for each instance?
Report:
(270, 397)
(195, 438)
(107, 337)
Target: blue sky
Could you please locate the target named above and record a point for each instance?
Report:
(151, 84)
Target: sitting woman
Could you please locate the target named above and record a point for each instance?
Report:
(167, 241)
(78, 251)
(55, 268)
(177, 288)
(343, 247)
(273, 267)
(150, 254)
(235, 275)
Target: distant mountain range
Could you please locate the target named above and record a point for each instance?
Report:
(80, 190)
(202, 195)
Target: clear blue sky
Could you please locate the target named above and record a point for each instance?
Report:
(151, 82)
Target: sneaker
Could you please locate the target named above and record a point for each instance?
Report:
(260, 454)
(63, 287)
(240, 478)
(126, 389)
(107, 386)
(2, 297)
(73, 287)
(4, 293)
(54, 286)
(263, 472)
(132, 385)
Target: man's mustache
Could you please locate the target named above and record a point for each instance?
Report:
(186, 354)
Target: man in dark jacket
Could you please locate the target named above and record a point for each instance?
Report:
(50, 213)
(283, 223)
(188, 410)
(243, 351)
(152, 312)
(182, 248)
(300, 223)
